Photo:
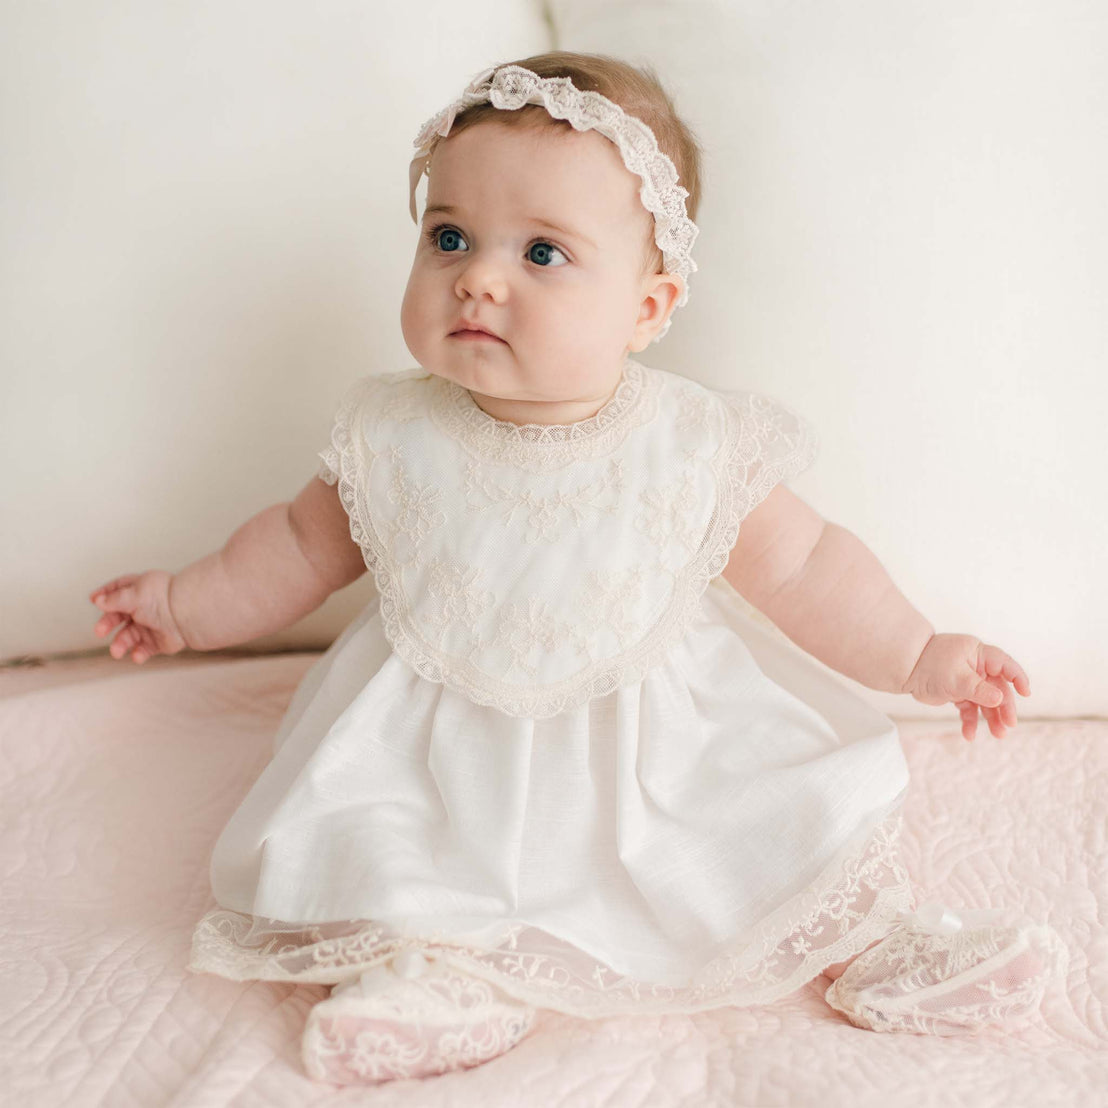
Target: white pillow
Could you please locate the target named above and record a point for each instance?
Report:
(902, 236)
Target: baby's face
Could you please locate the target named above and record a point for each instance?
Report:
(567, 303)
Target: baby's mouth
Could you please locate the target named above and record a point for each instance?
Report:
(474, 336)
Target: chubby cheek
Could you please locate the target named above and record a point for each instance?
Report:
(414, 322)
(600, 329)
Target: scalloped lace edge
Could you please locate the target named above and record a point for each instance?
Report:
(857, 898)
(603, 677)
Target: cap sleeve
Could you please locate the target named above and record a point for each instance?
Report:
(330, 457)
(769, 443)
(328, 465)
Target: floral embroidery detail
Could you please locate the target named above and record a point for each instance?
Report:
(458, 599)
(857, 900)
(418, 515)
(403, 404)
(609, 601)
(914, 981)
(667, 510)
(547, 516)
(524, 628)
(439, 1022)
(694, 412)
(589, 545)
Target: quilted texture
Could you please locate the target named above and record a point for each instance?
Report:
(116, 781)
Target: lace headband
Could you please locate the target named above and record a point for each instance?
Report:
(511, 86)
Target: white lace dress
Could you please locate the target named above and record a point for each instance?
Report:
(558, 749)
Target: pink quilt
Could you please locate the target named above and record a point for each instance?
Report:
(116, 781)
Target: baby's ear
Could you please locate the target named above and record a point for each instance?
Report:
(661, 291)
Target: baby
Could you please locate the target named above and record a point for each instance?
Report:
(544, 515)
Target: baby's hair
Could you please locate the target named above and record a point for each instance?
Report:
(636, 89)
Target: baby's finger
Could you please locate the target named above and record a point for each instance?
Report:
(107, 621)
(999, 664)
(118, 582)
(146, 647)
(1008, 708)
(996, 726)
(968, 711)
(119, 599)
(124, 641)
(145, 650)
(1005, 712)
(995, 716)
(986, 693)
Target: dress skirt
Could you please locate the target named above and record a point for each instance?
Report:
(715, 834)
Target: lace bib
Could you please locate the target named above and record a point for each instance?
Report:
(534, 567)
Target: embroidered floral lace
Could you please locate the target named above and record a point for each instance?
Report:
(856, 900)
(931, 984)
(534, 568)
(395, 1028)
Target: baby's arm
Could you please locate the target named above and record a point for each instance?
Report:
(276, 568)
(828, 592)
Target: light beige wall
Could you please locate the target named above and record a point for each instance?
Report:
(204, 236)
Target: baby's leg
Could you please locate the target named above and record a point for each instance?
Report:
(948, 984)
(413, 1018)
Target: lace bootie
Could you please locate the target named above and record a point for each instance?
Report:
(414, 1017)
(944, 973)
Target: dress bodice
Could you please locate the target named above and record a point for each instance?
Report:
(535, 567)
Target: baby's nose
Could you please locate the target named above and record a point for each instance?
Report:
(483, 276)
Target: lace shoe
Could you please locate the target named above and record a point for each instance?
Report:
(415, 1017)
(941, 973)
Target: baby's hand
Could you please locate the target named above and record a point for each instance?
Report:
(139, 603)
(971, 674)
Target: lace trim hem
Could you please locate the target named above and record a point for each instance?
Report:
(857, 899)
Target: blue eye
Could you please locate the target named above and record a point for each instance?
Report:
(544, 249)
(433, 236)
(444, 237)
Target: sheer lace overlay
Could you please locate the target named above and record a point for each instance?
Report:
(534, 568)
(932, 984)
(384, 1027)
(857, 899)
